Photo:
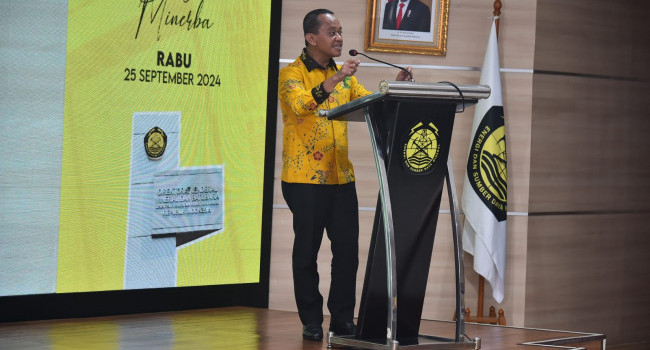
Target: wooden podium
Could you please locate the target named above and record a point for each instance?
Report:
(410, 127)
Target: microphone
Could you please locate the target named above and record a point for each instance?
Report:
(354, 52)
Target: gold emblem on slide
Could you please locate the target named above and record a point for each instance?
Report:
(155, 143)
(422, 148)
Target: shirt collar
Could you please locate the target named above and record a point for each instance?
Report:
(311, 64)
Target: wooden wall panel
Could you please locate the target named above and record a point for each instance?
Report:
(588, 144)
(589, 272)
(587, 265)
(594, 37)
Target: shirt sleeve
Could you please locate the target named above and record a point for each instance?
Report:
(319, 93)
(357, 89)
(293, 93)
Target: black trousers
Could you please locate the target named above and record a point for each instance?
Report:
(335, 209)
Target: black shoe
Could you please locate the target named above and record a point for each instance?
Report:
(312, 332)
(348, 328)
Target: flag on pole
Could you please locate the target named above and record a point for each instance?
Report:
(484, 198)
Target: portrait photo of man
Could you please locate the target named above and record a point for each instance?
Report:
(407, 15)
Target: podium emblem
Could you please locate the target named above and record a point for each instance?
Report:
(421, 148)
(155, 142)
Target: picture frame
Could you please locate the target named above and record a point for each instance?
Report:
(422, 29)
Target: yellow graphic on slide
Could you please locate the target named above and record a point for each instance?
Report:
(205, 60)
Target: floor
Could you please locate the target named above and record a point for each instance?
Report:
(240, 328)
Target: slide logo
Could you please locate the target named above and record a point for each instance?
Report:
(155, 142)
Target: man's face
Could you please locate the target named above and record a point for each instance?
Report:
(329, 40)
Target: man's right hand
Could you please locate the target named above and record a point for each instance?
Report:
(348, 69)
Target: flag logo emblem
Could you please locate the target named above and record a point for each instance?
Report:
(155, 142)
(487, 163)
(421, 148)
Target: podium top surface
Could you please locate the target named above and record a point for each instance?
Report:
(463, 95)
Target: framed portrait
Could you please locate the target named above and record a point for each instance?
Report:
(407, 26)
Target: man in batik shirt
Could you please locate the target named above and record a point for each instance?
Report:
(317, 176)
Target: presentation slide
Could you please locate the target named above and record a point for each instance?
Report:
(133, 144)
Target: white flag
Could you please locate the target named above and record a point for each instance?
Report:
(484, 192)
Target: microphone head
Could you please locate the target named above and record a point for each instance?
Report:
(353, 52)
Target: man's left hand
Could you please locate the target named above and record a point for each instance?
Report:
(403, 76)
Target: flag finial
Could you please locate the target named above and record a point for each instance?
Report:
(497, 8)
(497, 13)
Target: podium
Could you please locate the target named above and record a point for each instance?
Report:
(410, 127)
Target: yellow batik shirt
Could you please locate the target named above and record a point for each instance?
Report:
(314, 149)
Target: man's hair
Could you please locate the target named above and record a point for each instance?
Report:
(311, 24)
